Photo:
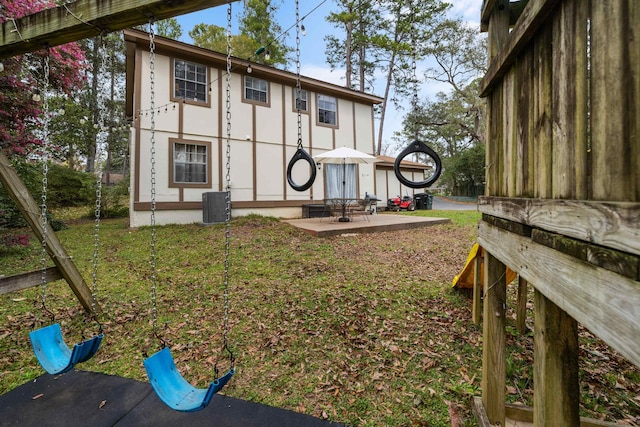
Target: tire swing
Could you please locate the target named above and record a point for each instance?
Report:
(166, 380)
(417, 146)
(48, 345)
(301, 153)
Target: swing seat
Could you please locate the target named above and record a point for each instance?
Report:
(54, 355)
(173, 389)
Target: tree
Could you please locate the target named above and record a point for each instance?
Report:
(169, 28)
(387, 37)
(454, 123)
(257, 29)
(23, 77)
(358, 19)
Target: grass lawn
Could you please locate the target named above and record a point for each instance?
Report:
(363, 329)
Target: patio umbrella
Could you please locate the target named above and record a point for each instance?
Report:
(344, 156)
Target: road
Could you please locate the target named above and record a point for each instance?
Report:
(443, 204)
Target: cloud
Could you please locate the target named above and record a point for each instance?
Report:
(467, 10)
(323, 72)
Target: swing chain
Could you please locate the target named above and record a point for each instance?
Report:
(414, 70)
(152, 106)
(227, 230)
(45, 170)
(298, 85)
(98, 203)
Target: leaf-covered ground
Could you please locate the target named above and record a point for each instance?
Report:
(360, 329)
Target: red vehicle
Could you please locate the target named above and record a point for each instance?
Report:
(404, 203)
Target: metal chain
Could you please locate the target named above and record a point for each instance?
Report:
(45, 170)
(298, 85)
(98, 203)
(227, 232)
(414, 70)
(152, 106)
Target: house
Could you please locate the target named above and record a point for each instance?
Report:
(190, 138)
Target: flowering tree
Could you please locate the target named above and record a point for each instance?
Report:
(23, 76)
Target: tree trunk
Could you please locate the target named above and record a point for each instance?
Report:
(349, 54)
(383, 110)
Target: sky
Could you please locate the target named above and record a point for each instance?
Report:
(312, 51)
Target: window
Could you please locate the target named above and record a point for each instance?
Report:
(190, 163)
(340, 181)
(327, 110)
(256, 90)
(190, 81)
(300, 102)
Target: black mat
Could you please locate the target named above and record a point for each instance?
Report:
(80, 398)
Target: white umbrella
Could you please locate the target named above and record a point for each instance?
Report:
(344, 156)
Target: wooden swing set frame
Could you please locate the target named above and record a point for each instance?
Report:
(52, 27)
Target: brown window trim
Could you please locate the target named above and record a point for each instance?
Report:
(172, 183)
(293, 101)
(252, 101)
(172, 82)
(318, 122)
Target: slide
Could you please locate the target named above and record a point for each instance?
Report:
(465, 278)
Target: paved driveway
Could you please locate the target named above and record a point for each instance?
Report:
(443, 204)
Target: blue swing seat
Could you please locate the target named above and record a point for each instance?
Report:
(173, 389)
(54, 355)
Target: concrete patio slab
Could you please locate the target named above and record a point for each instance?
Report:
(323, 227)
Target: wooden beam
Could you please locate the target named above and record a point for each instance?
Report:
(494, 362)
(521, 306)
(88, 18)
(533, 17)
(523, 413)
(606, 303)
(619, 262)
(478, 288)
(27, 280)
(517, 412)
(31, 213)
(609, 224)
(556, 395)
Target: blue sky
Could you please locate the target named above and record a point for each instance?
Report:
(312, 46)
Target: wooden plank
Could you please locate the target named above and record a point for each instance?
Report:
(31, 213)
(633, 93)
(610, 84)
(524, 125)
(523, 413)
(478, 288)
(542, 113)
(27, 280)
(569, 85)
(498, 33)
(87, 18)
(619, 262)
(515, 10)
(480, 413)
(613, 225)
(494, 339)
(606, 303)
(512, 226)
(521, 306)
(493, 147)
(509, 114)
(533, 17)
(556, 395)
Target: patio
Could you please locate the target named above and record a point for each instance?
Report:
(323, 227)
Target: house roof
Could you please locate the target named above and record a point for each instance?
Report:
(218, 60)
(387, 161)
